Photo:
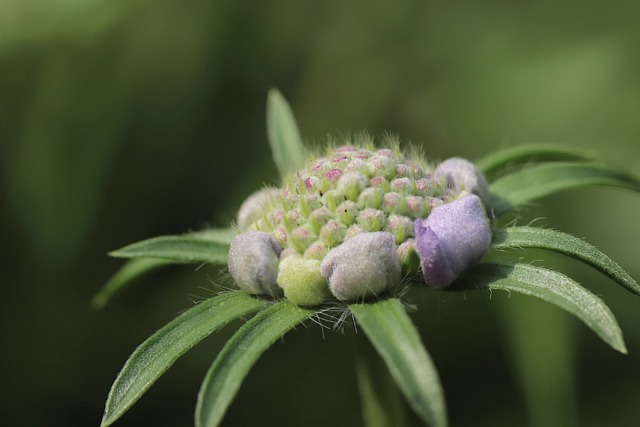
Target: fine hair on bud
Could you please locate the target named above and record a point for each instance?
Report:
(362, 266)
(253, 263)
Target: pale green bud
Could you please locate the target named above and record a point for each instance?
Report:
(302, 282)
(372, 219)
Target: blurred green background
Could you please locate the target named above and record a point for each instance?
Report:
(122, 120)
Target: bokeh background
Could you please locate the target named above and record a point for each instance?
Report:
(122, 120)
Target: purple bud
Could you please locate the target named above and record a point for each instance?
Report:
(462, 175)
(253, 263)
(363, 266)
(452, 238)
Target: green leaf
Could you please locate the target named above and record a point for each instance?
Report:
(526, 185)
(238, 356)
(379, 396)
(549, 286)
(210, 246)
(396, 339)
(130, 271)
(534, 237)
(512, 158)
(154, 356)
(284, 137)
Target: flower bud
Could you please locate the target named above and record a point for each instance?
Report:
(462, 175)
(372, 219)
(253, 207)
(332, 233)
(365, 265)
(401, 227)
(253, 262)
(371, 197)
(402, 185)
(302, 282)
(351, 184)
(316, 250)
(452, 238)
(409, 258)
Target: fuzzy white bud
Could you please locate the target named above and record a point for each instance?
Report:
(253, 263)
(363, 266)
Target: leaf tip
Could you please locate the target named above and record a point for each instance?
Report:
(116, 254)
(621, 347)
(99, 301)
(106, 420)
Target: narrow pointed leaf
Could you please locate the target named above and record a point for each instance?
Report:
(233, 363)
(512, 158)
(129, 272)
(379, 396)
(396, 339)
(210, 246)
(284, 138)
(534, 237)
(521, 187)
(550, 286)
(154, 356)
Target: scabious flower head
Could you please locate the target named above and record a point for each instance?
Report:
(347, 221)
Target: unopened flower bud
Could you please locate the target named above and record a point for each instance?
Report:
(253, 207)
(372, 219)
(371, 197)
(462, 175)
(331, 199)
(301, 238)
(302, 282)
(253, 263)
(416, 206)
(347, 212)
(394, 202)
(424, 186)
(452, 238)
(363, 266)
(353, 231)
(401, 227)
(332, 233)
(351, 184)
(408, 257)
(402, 185)
(318, 218)
(316, 250)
